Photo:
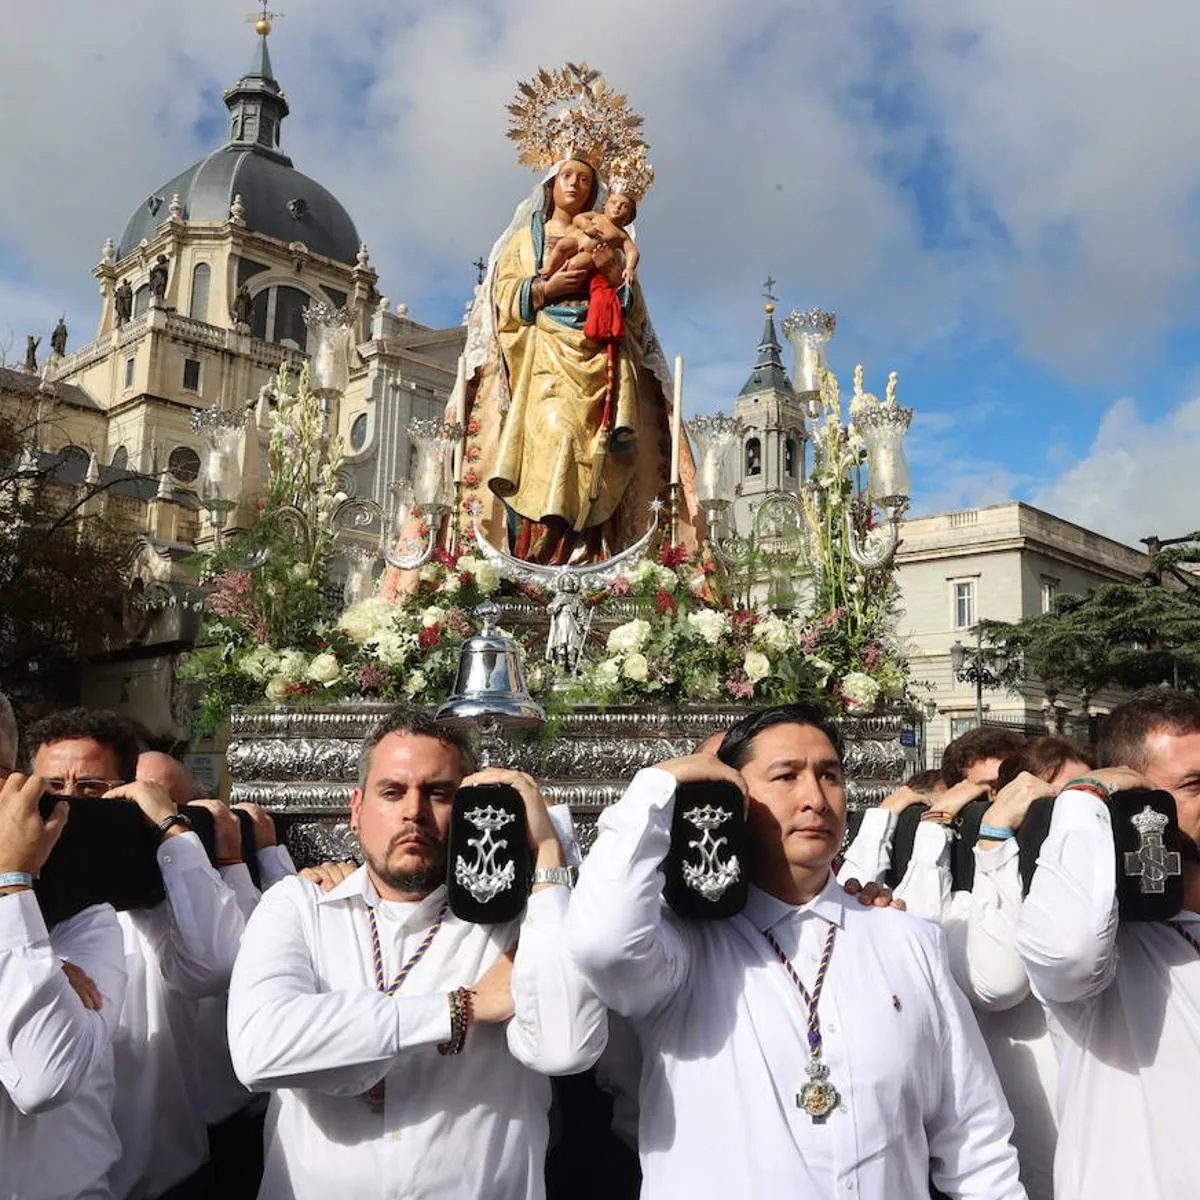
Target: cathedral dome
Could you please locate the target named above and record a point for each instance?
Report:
(279, 201)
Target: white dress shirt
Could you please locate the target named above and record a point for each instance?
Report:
(869, 856)
(307, 1023)
(180, 950)
(57, 1140)
(722, 1028)
(221, 1092)
(981, 930)
(1123, 1002)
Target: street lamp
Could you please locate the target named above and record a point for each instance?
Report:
(983, 668)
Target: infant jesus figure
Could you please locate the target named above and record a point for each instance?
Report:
(596, 236)
(600, 245)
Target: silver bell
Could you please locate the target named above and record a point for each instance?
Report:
(490, 687)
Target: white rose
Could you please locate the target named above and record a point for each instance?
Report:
(451, 583)
(710, 624)
(608, 671)
(706, 685)
(643, 572)
(325, 669)
(666, 578)
(756, 665)
(277, 688)
(433, 616)
(860, 690)
(487, 578)
(260, 663)
(291, 664)
(467, 564)
(391, 647)
(430, 573)
(774, 633)
(299, 572)
(415, 683)
(362, 620)
(636, 668)
(627, 638)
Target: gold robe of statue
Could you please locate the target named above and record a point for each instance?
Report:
(547, 450)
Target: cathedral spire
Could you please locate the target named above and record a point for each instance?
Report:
(256, 103)
(769, 372)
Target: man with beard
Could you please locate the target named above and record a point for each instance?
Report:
(405, 1048)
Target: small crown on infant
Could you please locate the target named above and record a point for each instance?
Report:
(631, 175)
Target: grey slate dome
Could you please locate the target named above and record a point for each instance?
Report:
(279, 200)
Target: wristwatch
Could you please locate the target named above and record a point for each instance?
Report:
(171, 821)
(563, 875)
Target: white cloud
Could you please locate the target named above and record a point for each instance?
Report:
(790, 136)
(1139, 477)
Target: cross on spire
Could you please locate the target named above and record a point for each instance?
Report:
(480, 266)
(263, 19)
(769, 289)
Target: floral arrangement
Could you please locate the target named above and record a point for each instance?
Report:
(274, 633)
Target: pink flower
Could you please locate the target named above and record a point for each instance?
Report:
(458, 622)
(739, 687)
(371, 678)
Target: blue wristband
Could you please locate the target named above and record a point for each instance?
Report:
(15, 879)
(995, 833)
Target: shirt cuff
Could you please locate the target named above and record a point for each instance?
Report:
(21, 921)
(878, 823)
(1079, 810)
(930, 842)
(547, 909)
(274, 864)
(183, 852)
(992, 858)
(423, 1019)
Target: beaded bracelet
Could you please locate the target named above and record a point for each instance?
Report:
(461, 1013)
(1085, 783)
(936, 817)
(995, 833)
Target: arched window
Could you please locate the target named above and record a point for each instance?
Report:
(358, 432)
(754, 457)
(290, 303)
(120, 458)
(789, 458)
(141, 300)
(200, 279)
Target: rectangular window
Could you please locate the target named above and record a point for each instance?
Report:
(964, 604)
(129, 363)
(960, 725)
(1049, 591)
(191, 374)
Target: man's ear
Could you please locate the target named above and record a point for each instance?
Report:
(356, 799)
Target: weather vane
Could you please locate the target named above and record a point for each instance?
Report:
(769, 289)
(263, 19)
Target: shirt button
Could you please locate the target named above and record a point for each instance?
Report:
(849, 1185)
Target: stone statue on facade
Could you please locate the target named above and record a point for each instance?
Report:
(31, 348)
(159, 273)
(243, 309)
(58, 339)
(123, 303)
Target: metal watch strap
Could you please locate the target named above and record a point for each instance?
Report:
(16, 879)
(563, 875)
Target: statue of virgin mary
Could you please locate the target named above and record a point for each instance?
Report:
(566, 404)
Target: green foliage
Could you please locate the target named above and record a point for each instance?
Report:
(1125, 635)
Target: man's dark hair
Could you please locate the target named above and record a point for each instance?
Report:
(1152, 710)
(974, 745)
(736, 746)
(925, 781)
(403, 719)
(1043, 757)
(98, 724)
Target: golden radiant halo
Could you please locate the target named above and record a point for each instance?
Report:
(631, 175)
(572, 113)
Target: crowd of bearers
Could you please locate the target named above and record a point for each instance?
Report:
(221, 1027)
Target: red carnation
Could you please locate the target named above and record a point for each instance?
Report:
(428, 637)
(664, 603)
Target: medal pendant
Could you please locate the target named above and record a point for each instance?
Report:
(818, 1097)
(376, 1097)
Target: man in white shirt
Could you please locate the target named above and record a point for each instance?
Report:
(747, 1023)
(57, 1140)
(234, 1117)
(1122, 998)
(181, 949)
(406, 1049)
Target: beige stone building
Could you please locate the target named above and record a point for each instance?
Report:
(246, 243)
(1002, 562)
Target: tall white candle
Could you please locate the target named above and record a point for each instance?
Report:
(460, 415)
(677, 419)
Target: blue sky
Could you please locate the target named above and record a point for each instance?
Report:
(999, 201)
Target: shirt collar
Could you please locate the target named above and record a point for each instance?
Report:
(764, 910)
(359, 885)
